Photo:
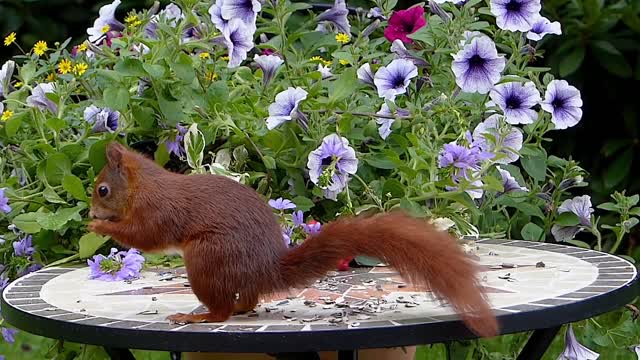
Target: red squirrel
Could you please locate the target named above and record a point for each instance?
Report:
(233, 248)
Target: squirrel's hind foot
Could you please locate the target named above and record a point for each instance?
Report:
(196, 318)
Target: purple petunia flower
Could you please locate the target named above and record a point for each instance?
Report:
(106, 17)
(393, 79)
(103, 119)
(579, 205)
(312, 228)
(365, 74)
(478, 66)
(385, 124)
(376, 12)
(401, 52)
(298, 218)
(176, 146)
(573, 350)
(509, 183)
(331, 163)
(269, 65)
(117, 266)
(282, 204)
(285, 108)
(337, 15)
(216, 15)
(23, 247)
(9, 335)
(461, 157)
(171, 13)
(467, 36)
(516, 99)
(39, 99)
(325, 71)
(542, 26)
(515, 15)
(287, 233)
(238, 38)
(564, 103)
(3, 283)
(245, 10)
(6, 72)
(505, 137)
(4, 202)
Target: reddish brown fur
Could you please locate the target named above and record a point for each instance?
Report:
(233, 247)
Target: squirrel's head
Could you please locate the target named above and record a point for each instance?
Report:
(111, 191)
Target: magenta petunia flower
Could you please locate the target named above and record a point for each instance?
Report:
(405, 22)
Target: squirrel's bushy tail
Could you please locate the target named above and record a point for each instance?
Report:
(421, 254)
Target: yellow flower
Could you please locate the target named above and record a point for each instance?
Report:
(65, 66)
(18, 84)
(343, 62)
(210, 75)
(83, 47)
(327, 62)
(7, 115)
(105, 29)
(51, 77)
(342, 38)
(224, 58)
(133, 20)
(10, 39)
(40, 47)
(80, 68)
(204, 55)
(316, 58)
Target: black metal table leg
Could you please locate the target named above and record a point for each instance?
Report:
(348, 355)
(119, 354)
(297, 356)
(176, 355)
(538, 343)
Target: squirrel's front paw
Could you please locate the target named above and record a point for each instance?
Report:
(99, 226)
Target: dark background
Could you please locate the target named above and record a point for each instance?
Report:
(598, 52)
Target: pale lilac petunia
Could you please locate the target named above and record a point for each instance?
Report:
(118, 266)
(24, 246)
(573, 350)
(313, 228)
(516, 99)
(564, 103)
(503, 136)
(542, 26)
(337, 16)
(324, 71)
(4, 202)
(102, 119)
(365, 74)
(478, 66)
(215, 11)
(467, 36)
(401, 52)
(106, 17)
(298, 218)
(331, 163)
(39, 99)
(393, 79)
(8, 335)
(285, 108)
(171, 13)
(287, 233)
(509, 183)
(582, 208)
(6, 72)
(269, 65)
(515, 15)
(281, 204)
(176, 146)
(245, 10)
(376, 12)
(385, 123)
(238, 38)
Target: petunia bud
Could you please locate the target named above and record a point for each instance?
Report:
(437, 9)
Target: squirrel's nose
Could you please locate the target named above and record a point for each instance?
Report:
(91, 214)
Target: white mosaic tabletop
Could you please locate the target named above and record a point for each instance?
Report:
(518, 276)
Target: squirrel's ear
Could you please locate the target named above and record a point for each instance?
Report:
(115, 152)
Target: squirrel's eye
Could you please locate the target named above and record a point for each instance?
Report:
(103, 191)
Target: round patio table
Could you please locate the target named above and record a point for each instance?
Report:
(532, 286)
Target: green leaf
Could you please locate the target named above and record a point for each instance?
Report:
(571, 62)
(97, 156)
(630, 223)
(130, 67)
(116, 98)
(492, 183)
(194, 144)
(303, 203)
(367, 260)
(532, 232)
(635, 211)
(602, 339)
(380, 161)
(393, 187)
(609, 206)
(89, 244)
(424, 34)
(57, 220)
(567, 219)
(13, 124)
(579, 243)
(58, 165)
(183, 68)
(56, 124)
(28, 222)
(217, 93)
(614, 63)
(619, 169)
(269, 162)
(412, 207)
(606, 47)
(535, 166)
(345, 86)
(144, 116)
(633, 199)
(171, 108)
(52, 196)
(73, 151)
(161, 155)
(155, 71)
(73, 185)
